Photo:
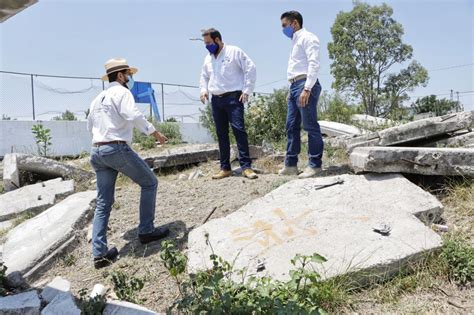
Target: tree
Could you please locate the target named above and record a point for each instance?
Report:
(67, 115)
(367, 42)
(431, 104)
(42, 138)
(6, 117)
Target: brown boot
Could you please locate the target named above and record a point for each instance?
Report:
(222, 174)
(249, 173)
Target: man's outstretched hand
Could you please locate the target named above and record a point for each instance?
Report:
(159, 137)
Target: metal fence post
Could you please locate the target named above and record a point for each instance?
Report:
(33, 96)
(162, 102)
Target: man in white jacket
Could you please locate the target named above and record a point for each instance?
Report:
(112, 117)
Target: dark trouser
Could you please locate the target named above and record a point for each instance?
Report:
(309, 116)
(225, 110)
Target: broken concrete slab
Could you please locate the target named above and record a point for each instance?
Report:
(425, 161)
(11, 174)
(55, 287)
(256, 151)
(26, 303)
(370, 121)
(125, 308)
(28, 243)
(34, 198)
(63, 304)
(186, 155)
(414, 131)
(50, 168)
(464, 140)
(334, 129)
(332, 216)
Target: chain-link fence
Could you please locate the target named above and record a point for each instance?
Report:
(26, 96)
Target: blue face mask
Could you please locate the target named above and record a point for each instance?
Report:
(130, 82)
(212, 48)
(288, 31)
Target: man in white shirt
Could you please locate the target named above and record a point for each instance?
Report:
(112, 117)
(303, 70)
(229, 75)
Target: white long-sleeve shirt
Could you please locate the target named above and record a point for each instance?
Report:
(304, 57)
(232, 70)
(113, 115)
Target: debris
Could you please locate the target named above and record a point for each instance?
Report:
(334, 129)
(209, 215)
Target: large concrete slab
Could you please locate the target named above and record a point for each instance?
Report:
(186, 155)
(26, 303)
(30, 242)
(425, 161)
(370, 121)
(34, 198)
(414, 131)
(54, 288)
(334, 129)
(464, 140)
(11, 174)
(49, 167)
(325, 216)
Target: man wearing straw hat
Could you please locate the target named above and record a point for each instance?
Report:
(112, 117)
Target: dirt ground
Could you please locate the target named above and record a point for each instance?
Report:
(183, 205)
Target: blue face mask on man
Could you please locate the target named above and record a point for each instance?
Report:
(130, 82)
(288, 31)
(212, 48)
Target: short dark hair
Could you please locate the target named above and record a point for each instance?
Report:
(293, 15)
(113, 76)
(213, 33)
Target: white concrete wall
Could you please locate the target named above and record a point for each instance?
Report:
(71, 137)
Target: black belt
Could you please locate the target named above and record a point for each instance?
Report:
(98, 144)
(233, 93)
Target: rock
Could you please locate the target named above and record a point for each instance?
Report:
(256, 152)
(51, 168)
(425, 161)
(186, 155)
(332, 216)
(182, 177)
(98, 290)
(370, 121)
(64, 304)
(26, 303)
(334, 129)
(55, 287)
(34, 198)
(195, 175)
(414, 131)
(15, 280)
(125, 308)
(28, 243)
(11, 174)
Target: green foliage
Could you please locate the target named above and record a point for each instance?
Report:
(67, 115)
(216, 291)
(335, 108)
(265, 118)
(171, 119)
(437, 106)
(171, 131)
(91, 306)
(367, 42)
(459, 257)
(43, 139)
(3, 279)
(6, 117)
(127, 287)
(69, 260)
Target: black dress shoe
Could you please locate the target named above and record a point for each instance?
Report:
(107, 259)
(156, 235)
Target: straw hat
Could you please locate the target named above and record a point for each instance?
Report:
(116, 64)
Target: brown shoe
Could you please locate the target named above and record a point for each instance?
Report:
(222, 174)
(249, 173)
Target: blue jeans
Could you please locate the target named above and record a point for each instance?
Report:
(107, 161)
(307, 115)
(225, 110)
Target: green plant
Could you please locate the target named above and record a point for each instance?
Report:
(218, 290)
(67, 115)
(127, 287)
(69, 260)
(171, 131)
(91, 305)
(3, 278)
(459, 257)
(43, 139)
(334, 107)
